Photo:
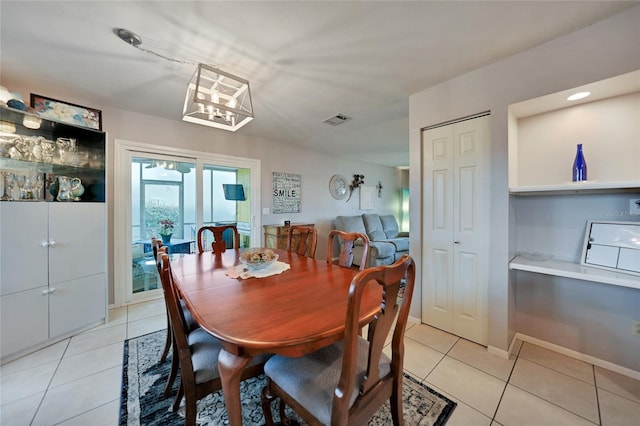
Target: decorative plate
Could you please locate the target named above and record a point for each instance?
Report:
(338, 187)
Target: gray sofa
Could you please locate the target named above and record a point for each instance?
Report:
(387, 243)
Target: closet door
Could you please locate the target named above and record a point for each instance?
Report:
(455, 221)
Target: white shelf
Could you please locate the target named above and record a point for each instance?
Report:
(577, 187)
(576, 271)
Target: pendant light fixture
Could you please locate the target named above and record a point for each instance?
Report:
(218, 99)
(214, 98)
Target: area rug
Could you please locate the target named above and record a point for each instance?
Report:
(144, 378)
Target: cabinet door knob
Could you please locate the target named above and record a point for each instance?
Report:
(44, 244)
(52, 243)
(52, 290)
(45, 292)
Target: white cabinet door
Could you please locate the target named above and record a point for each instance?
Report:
(24, 320)
(53, 263)
(455, 282)
(78, 230)
(23, 256)
(76, 304)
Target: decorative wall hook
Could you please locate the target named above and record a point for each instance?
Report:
(357, 182)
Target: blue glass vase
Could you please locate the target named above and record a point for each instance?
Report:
(579, 166)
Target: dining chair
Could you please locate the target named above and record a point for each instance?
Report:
(346, 242)
(159, 249)
(218, 245)
(302, 240)
(348, 381)
(197, 350)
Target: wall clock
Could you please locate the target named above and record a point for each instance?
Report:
(338, 187)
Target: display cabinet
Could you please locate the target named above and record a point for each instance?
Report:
(53, 154)
(52, 245)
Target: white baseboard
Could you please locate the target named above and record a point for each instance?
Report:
(574, 354)
(498, 352)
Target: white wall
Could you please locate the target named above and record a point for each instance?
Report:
(316, 168)
(605, 49)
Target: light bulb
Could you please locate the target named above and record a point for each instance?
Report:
(215, 98)
(232, 103)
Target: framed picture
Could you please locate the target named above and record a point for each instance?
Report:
(66, 112)
(367, 197)
(286, 192)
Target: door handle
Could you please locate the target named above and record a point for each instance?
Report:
(52, 243)
(44, 244)
(456, 242)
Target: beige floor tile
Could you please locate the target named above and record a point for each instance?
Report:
(43, 356)
(146, 309)
(478, 357)
(559, 362)
(75, 398)
(417, 364)
(520, 408)
(26, 382)
(105, 415)
(97, 339)
(87, 363)
(432, 337)
(20, 412)
(418, 359)
(463, 415)
(146, 325)
(617, 383)
(618, 411)
(475, 388)
(117, 316)
(567, 392)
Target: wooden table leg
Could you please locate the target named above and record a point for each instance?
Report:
(230, 368)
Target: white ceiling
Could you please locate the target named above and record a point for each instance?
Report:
(306, 61)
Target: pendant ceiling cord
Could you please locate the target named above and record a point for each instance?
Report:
(135, 40)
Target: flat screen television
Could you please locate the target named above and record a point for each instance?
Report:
(233, 191)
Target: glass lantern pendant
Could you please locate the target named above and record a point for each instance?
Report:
(579, 166)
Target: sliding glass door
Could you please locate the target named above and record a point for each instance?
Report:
(226, 198)
(160, 191)
(163, 205)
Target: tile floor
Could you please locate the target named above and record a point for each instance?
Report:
(77, 381)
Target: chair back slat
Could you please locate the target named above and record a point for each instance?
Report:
(347, 242)
(218, 245)
(302, 240)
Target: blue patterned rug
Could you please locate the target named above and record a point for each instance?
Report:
(144, 378)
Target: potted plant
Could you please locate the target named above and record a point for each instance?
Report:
(166, 230)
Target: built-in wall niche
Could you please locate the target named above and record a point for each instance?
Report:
(544, 132)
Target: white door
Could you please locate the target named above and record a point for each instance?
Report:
(455, 279)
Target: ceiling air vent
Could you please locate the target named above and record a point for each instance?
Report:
(337, 119)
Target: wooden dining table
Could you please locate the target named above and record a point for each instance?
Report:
(292, 313)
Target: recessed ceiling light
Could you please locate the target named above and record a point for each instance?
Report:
(579, 95)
